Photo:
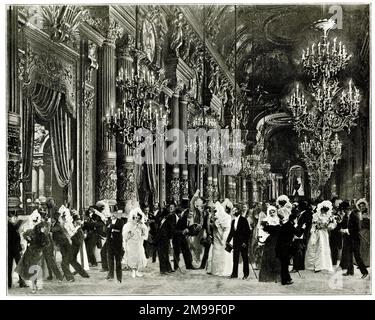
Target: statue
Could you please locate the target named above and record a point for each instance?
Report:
(177, 34)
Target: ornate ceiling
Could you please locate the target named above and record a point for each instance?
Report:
(269, 41)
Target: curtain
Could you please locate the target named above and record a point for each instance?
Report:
(60, 128)
(49, 106)
(27, 139)
(151, 173)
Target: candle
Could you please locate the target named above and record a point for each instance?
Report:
(312, 48)
(340, 47)
(328, 48)
(303, 54)
(319, 48)
(334, 44)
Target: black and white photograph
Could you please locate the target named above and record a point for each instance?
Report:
(171, 149)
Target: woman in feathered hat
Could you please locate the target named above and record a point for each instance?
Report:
(270, 264)
(318, 253)
(221, 227)
(196, 217)
(134, 233)
(283, 201)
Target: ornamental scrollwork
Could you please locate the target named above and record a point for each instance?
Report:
(175, 189)
(185, 188)
(62, 22)
(107, 181)
(14, 179)
(129, 185)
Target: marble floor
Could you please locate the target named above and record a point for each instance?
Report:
(197, 282)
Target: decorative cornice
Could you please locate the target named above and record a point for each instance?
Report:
(90, 33)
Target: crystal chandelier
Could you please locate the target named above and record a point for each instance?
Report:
(326, 110)
(140, 107)
(325, 58)
(255, 166)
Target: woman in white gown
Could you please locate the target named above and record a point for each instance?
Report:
(134, 233)
(221, 228)
(318, 253)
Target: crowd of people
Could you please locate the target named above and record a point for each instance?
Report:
(269, 238)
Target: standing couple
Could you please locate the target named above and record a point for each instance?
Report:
(224, 231)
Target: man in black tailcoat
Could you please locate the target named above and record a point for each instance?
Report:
(180, 243)
(350, 228)
(114, 245)
(303, 216)
(163, 239)
(240, 233)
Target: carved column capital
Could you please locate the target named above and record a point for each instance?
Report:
(107, 27)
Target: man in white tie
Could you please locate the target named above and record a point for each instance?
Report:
(240, 232)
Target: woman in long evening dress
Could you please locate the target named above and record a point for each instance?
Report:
(318, 253)
(221, 229)
(268, 233)
(134, 233)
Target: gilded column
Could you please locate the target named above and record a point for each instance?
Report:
(126, 183)
(88, 116)
(184, 177)
(255, 192)
(244, 190)
(107, 173)
(13, 106)
(41, 181)
(215, 183)
(209, 183)
(175, 174)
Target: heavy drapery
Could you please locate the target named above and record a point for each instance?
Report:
(49, 105)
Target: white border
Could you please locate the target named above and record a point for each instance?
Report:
(3, 155)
